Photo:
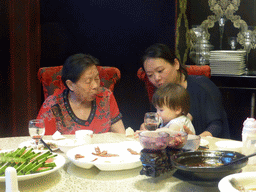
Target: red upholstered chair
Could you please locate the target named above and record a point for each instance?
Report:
(50, 77)
(199, 70)
(192, 70)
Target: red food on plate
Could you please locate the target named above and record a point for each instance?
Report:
(78, 156)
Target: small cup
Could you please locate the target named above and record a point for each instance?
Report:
(84, 136)
(151, 121)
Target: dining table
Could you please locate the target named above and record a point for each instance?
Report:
(73, 178)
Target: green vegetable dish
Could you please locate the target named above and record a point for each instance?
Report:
(26, 161)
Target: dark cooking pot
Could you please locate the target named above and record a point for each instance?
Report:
(207, 165)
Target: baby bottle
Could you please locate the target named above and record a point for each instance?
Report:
(249, 139)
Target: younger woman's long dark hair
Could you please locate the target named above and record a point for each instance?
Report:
(159, 50)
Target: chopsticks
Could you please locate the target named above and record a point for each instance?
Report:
(252, 105)
(237, 185)
(45, 144)
(204, 147)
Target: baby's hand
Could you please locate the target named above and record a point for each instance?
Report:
(190, 116)
(187, 130)
(142, 127)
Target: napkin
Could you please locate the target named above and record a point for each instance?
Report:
(11, 181)
(129, 132)
(57, 136)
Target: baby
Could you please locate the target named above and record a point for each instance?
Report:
(172, 103)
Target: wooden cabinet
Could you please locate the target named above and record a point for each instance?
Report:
(238, 99)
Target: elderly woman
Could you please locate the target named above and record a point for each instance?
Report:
(83, 104)
(208, 115)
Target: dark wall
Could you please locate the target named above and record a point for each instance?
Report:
(116, 32)
(4, 55)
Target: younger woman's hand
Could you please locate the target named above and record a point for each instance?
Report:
(136, 134)
(205, 134)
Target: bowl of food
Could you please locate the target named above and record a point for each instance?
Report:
(177, 139)
(193, 142)
(67, 144)
(207, 165)
(154, 140)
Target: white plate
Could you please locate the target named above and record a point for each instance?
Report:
(226, 70)
(247, 179)
(204, 142)
(228, 51)
(233, 58)
(59, 160)
(125, 160)
(29, 144)
(225, 62)
(230, 145)
(226, 67)
(227, 74)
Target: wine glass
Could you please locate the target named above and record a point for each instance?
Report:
(222, 22)
(232, 41)
(151, 121)
(247, 43)
(36, 130)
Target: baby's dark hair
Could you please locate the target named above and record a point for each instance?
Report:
(172, 96)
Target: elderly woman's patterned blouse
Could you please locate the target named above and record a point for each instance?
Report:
(58, 115)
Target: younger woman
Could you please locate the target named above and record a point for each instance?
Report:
(207, 112)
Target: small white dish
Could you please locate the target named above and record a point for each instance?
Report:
(68, 144)
(193, 142)
(230, 145)
(84, 136)
(247, 179)
(204, 142)
(125, 160)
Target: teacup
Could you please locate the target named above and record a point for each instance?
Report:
(84, 135)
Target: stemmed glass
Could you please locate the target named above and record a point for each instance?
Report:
(222, 22)
(247, 35)
(232, 41)
(36, 130)
(151, 121)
